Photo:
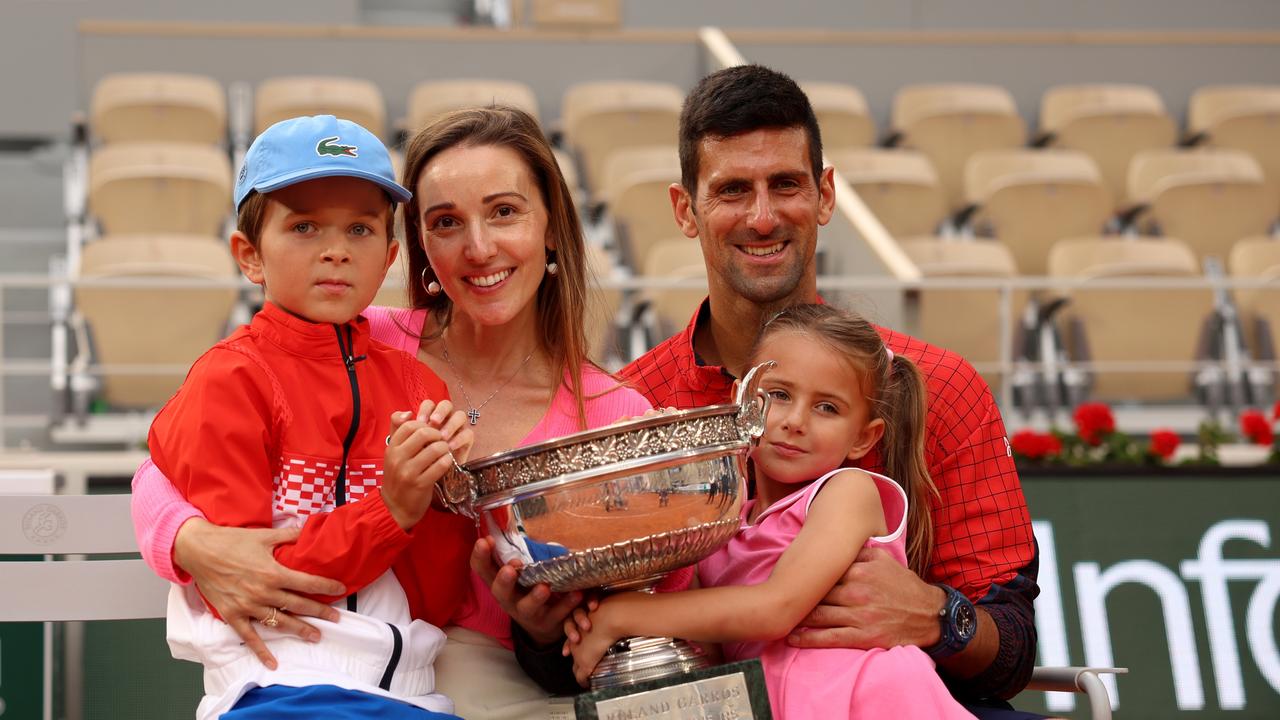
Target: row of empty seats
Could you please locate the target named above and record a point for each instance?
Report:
(1107, 325)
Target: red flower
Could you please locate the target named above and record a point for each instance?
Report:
(1094, 422)
(1275, 411)
(1256, 428)
(1035, 445)
(1163, 443)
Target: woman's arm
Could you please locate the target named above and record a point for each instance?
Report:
(844, 514)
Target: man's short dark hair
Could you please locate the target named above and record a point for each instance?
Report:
(738, 100)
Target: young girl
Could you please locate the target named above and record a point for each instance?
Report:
(836, 391)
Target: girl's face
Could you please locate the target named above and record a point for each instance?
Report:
(484, 229)
(819, 416)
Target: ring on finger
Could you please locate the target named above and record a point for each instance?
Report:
(271, 620)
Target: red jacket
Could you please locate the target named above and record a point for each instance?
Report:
(257, 437)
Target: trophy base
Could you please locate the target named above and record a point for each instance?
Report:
(735, 690)
(636, 659)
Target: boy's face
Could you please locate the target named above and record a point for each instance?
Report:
(323, 251)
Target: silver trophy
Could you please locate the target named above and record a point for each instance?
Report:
(619, 507)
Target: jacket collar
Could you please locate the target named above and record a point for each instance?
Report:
(317, 341)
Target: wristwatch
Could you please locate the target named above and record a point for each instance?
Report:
(958, 621)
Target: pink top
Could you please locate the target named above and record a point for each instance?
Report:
(159, 510)
(898, 682)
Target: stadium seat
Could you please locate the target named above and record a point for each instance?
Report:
(1135, 327)
(603, 304)
(842, 115)
(950, 122)
(281, 98)
(1242, 117)
(1108, 122)
(675, 259)
(601, 117)
(393, 291)
(899, 186)
(170, 107)
(180, 323)
(1029, 199)
(1259, 308)
(576, 14)
(157, 187)
(1207, 198)
(636, 189)
(977, 339)
(430, 100)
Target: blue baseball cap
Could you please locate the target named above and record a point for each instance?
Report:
(306, 148)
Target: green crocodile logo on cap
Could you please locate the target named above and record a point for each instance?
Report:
(329, 146)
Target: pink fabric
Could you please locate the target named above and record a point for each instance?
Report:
(159, 510)
(816, 682)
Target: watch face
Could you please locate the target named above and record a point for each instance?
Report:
(966, 621)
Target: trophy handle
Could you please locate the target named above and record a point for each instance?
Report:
(753, 403)
(457, 491)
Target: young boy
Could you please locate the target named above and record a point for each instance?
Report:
(286, 422)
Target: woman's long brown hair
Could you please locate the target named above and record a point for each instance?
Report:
(561, 299)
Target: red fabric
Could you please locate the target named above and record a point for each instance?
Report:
(266, 411)
(982, 529)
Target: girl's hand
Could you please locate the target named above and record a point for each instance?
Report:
(591, 645)
(579, 623)
(417, 457)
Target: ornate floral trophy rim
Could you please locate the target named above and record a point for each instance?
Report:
(718, 435)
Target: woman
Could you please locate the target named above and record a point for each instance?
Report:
(498, 289)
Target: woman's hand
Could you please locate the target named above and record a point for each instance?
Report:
(538, 610)
(238, 575)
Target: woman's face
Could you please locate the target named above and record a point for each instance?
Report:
(484, 229)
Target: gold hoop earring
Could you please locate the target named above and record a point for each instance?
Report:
(433, 288)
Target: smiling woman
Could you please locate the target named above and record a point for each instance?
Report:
(496, 251)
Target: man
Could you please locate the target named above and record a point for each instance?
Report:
(754, 192)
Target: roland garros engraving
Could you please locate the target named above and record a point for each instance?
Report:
(44, 524)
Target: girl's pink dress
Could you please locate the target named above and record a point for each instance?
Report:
(898, 683)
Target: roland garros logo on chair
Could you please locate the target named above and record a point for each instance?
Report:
(330, 147)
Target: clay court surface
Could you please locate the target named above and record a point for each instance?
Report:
(591, 526)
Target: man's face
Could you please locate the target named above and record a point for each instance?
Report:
(757, 212)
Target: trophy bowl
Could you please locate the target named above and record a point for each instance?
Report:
(617, 508)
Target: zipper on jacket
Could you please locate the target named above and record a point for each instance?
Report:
(397, 644)
(346, 346)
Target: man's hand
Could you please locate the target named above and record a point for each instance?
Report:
(538, 610)
(238, 575)
(877, 604)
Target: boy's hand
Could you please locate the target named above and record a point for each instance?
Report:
(451, 423)
(417, 457)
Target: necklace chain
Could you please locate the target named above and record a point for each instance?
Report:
(473, 410)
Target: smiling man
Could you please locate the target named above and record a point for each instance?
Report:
(754, 192)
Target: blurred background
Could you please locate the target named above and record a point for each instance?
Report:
(1079, 197)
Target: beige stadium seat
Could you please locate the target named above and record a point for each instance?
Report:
(160, 188)
(679, 258)
(576, 14)
(899, 186)
(601, 117)
(128, 107)
(842, 115)
(281, 98)
(1131, 325)
(950, 122)
(1207, 198)
(156, 325)
(602, 305)
(977, 339)
(393, 291)
(1108, 122)
(637, 191)
(1030, 199)
(1242, 117)
(430, 100)
(1259, 308)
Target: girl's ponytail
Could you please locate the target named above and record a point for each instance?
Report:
(903, 408)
